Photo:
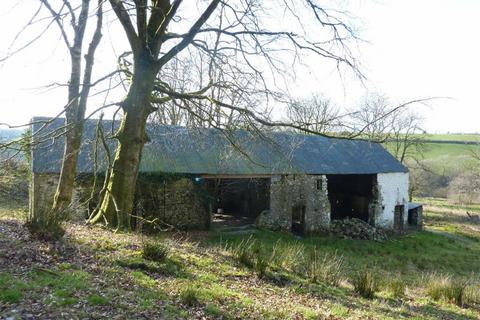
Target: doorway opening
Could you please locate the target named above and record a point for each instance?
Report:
(298, 219)
(350, 195)
(238, 201)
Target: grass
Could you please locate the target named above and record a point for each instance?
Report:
(365, 283)
(11, 288)
(396, 288)
(325, 268)
(447, 288)
(405, 255)
(455, 137)
(96, 299)
(190, 296)
(155, 251)
(264, 275)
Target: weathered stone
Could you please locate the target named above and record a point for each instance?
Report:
(177, 202)
(297, 197)
(356, 229)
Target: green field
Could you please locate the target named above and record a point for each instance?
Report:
(454, 137)
(448, 156)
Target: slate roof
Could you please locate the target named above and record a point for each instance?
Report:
(209, 151)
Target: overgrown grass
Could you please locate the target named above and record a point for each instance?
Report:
(448, 288)
(396, 287)
(190, 296)
(365, 283)
(325, 268)
(410, 255)
(155, 251)
(96, 299)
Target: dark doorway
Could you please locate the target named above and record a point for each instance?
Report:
(239, 201)
(350, 195)
(298, 219)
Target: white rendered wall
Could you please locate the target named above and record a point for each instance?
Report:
(393, 190)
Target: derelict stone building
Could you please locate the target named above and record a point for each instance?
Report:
(282, 181)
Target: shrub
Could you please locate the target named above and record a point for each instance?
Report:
(326, 269)
(155, 251)
(397, 287)
(365, 284)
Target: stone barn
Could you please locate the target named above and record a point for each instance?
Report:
(279, 180)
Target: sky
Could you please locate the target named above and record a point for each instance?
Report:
(412, 49)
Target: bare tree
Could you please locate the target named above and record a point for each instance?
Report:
(71, 17)
(316, 113)
(465, 187)
(78, 88)
(399, 127)
(407, 137)
(186, 74)
(372, 118)
(239, 37)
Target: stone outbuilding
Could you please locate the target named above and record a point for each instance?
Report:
(279, 180)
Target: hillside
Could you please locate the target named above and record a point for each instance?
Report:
(448, 152)
(96, 273)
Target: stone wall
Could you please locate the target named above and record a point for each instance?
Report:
(184, 204)
(178, 202)
(42, 190)
(297, 193)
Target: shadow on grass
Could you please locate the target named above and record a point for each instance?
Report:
(169, 267)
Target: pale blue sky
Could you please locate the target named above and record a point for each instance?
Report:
(415, 49)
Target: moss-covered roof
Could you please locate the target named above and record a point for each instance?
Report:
(210, 151)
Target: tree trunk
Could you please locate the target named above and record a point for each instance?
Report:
(77, 105)
(117, 202)
(73, 137)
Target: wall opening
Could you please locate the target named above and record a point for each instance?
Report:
(415, 215)
(351, 195)
(298, 219)
(239, 201)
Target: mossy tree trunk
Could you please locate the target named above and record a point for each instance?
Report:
(117, 203)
